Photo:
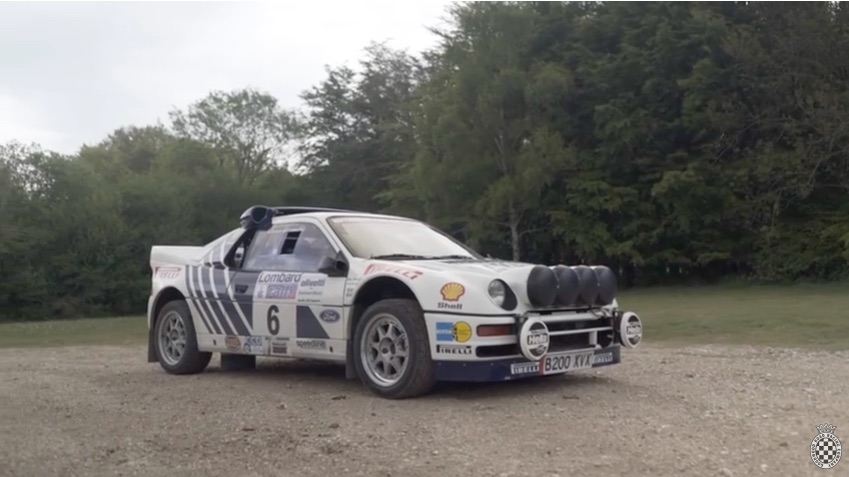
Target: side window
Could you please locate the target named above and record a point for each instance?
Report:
(218, 250)
(290, 247)
(311, 247)
(264, 250)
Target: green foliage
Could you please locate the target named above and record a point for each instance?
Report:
(674, 142)
(248, 129)
(358, 131)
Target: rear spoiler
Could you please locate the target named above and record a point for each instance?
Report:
(174, 255)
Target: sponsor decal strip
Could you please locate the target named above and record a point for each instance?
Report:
(454, 349)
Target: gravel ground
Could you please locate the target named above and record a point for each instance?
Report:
(701, 411)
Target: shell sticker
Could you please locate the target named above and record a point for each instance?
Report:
(452, 291)
(461, 332)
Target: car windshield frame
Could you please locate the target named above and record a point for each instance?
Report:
(473, 254)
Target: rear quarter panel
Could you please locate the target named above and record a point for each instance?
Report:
(164, 276)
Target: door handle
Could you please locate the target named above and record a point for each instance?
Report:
(241, 288)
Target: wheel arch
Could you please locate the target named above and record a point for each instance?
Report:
(165, 296)
(376, 289)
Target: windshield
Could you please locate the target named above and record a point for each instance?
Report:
(375, 237)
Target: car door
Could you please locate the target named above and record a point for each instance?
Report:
(208, 285)
(295, 308)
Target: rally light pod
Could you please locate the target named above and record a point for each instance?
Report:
(256, 217)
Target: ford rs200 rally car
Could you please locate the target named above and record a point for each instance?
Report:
(399, 303)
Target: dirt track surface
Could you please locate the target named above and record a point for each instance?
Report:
(703, 411)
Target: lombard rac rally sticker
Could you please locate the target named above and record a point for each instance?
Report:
(533, 339)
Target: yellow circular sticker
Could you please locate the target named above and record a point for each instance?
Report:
(462, 331)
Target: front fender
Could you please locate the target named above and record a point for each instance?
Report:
(452, 292)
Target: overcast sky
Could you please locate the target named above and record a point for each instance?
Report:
(70, 73)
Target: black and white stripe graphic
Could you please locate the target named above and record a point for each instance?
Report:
(195, 305)
(235, 309)
(202, 288)
(307, 324)
(210, 287)
(198, 284)
(212, 298)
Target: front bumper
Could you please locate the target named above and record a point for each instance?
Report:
(462, 337)
(518, 368)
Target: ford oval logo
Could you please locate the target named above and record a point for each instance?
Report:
(330, 316)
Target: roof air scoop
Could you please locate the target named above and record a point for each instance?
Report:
(256, 217)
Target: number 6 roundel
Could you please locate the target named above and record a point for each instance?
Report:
(273, 320)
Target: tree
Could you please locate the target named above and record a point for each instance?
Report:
(486, 152)
(251, 132)
(359, 127)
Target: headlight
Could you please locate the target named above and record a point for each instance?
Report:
(497, 291)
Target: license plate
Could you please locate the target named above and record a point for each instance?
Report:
(563, 363)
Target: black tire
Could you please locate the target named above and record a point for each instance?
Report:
(191, 361)
(420, 374)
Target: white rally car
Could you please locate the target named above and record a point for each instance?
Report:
(399, 303)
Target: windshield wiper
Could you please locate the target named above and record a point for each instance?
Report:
(398, 256)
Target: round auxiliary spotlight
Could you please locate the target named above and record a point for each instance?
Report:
(606, 285)
(589, 285)
(542, 286)
(533, 339)
(568, 285)
(630, 329)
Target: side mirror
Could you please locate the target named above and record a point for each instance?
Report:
(333, 267)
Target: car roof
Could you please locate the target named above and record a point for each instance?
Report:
(324, 215)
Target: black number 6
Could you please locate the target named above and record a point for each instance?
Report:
(273, 321)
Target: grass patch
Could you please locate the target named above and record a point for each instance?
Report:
(806, 315)
(802, 315)
(88, 331)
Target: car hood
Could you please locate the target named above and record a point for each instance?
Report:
(532, 283)
(474, 269)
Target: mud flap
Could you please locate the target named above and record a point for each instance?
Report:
(237, 362)
(350, 370)
(151, 352)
